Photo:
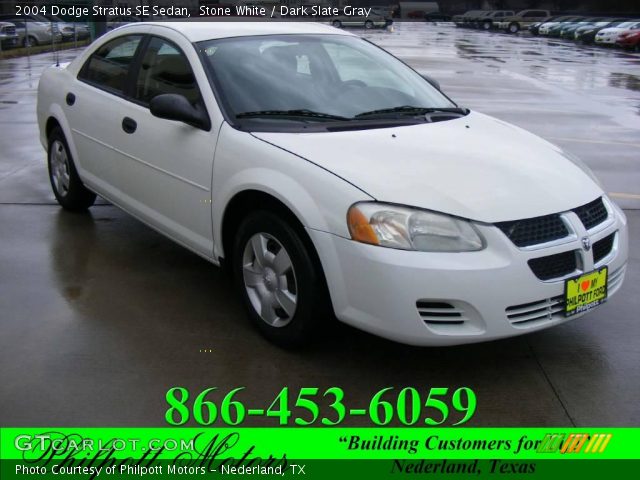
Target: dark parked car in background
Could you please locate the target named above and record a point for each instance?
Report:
(8, 35)
(437, 17)
(587, 34)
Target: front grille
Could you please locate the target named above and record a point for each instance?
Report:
(603, 247)
(554, 266)
(532, 231)
(439, 313)
(9, 30)
(524, 314)
(592, 214)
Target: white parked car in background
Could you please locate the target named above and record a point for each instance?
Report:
(608, 36)
(330, 177)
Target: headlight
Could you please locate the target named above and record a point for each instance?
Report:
(411, 229)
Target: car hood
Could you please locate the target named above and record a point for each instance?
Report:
(609, 30)
(476, 167)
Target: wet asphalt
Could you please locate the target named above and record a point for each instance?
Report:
(100, 315)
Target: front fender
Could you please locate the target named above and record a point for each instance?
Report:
(317, 197)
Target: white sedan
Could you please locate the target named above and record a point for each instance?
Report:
(608, 36)
(332, 179)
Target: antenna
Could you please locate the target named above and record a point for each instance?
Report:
(53, 43)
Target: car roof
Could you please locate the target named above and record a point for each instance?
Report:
(198, 31)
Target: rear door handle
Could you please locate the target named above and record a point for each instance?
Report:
(129, 125)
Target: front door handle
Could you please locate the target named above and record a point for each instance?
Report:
(129, 125)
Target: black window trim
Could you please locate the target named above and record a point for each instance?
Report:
(128, 92)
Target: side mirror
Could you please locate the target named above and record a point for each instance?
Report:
(432, 81)
(171, 106)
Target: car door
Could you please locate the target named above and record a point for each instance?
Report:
(167, 168)
(94, 103)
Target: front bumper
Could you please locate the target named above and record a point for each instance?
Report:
(627, 42)
(608, 40)
(9, 41)
(409, 296)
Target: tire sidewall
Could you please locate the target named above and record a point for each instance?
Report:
(310, 301)
(78, 198)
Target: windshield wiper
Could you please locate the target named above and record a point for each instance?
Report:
(291, 114)
(410, 110)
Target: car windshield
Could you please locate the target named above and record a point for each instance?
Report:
(315, 78)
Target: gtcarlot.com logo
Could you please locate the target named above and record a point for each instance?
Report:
(574, 443)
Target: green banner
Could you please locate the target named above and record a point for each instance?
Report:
(322, 443)
(317, 452)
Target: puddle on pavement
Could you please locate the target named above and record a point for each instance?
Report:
(624, 80)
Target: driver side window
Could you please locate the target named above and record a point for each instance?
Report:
(165, 69)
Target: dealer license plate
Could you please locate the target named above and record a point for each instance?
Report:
(585, 292)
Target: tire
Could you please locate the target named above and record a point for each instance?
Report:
(281, 285)
(487, 25)
(368, 24)
(67, 187)
(337, 23)
(514, 27)
(30, 41)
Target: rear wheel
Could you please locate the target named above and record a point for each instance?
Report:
(30, 41)
(514, 27)
(337, 23)
(280, 283)
(67, 187)
(368, 24)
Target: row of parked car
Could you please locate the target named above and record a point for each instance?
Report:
(33, 30)
(624, 32)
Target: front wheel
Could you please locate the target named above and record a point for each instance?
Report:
(487, 25)
(67, 187)
(280, 282)
(337, 23)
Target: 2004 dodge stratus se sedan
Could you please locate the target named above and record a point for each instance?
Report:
(331, 177)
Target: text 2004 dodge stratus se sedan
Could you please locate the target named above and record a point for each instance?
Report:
(329, 176)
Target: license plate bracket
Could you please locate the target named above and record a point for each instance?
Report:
(585, 292)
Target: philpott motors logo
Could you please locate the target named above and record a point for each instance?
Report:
(574, 443)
